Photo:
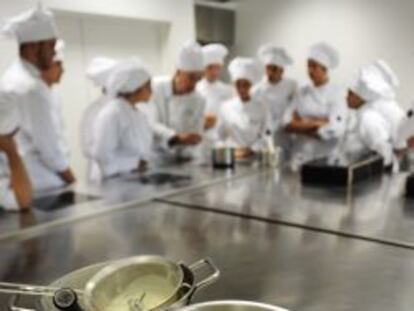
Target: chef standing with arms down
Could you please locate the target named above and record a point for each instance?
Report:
(15, 186)
(214, 91)
(122, 141)
(244, 121)
(52, 77)
(177, 109)
(276, 91)
(367, 129)
(387, 106)
(38, 139)
(319, 110)
(98, 72)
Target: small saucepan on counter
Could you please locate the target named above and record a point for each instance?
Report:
(270, 157)
(224, 158)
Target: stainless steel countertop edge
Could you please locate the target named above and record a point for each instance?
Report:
(39, 229)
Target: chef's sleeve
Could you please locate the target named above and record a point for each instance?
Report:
(375, 134)
(44, 134)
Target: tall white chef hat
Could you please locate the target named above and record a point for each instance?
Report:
(128, 76)
(371, 85)
(214, 53)
(387, 73)
(324, 54)
(9, 114)
(99, 69)
(190, 57)
(31, 26)
(245, 68)
(59, 51)
(273, 55)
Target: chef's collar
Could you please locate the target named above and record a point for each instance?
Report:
(31, 69)
(127, 104)
(266, 81)
(243, 103)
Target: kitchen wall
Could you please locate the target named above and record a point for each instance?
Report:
(153, 30)
(361, 30)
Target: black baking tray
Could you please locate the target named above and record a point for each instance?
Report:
(61, 200)
(321, 173)
(160, 178)
(409, 186)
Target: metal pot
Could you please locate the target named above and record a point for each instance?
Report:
(145, 283)
(270, 158)
(232, 305)
(80, 278)
(224, 158)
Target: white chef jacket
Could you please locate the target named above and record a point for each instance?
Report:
(8, 199)
(278, 99)
(394, 115)
(86, 134)
(59, 123)
(122, 138)
(243, 124)
(327, 101)
(39, 139)
(173, 114)
(367, 130)
(215, 94)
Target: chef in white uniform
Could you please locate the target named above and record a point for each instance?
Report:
(15, 186)
(387, 105)
(244, 121)
(319, 110)
(98, 72)
(276, 90)
(122, 141)
(177, 109)
(52, 77)
(214, 91)
(38, 138)
(367, 129)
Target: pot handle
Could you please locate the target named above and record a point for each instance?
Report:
(215, 272)
(13, 306)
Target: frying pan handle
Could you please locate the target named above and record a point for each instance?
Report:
(13, 307)
(205, 263)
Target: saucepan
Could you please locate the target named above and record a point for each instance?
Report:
(224, 158)
(145, 283)
(270, 157)
(141, 283)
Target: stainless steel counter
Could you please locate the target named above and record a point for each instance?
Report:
(291, 267)
(117, 193)
(275, 241)
(376, 210)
